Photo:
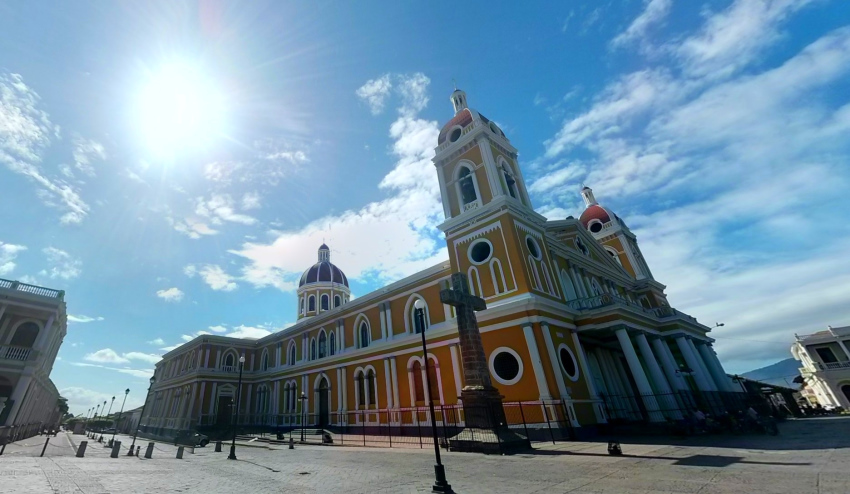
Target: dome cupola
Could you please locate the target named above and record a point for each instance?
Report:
(322, 287)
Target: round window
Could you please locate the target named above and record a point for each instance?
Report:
(582, 247)
(455, 135)
(533, 248)
(568, 362)
(505, 365)
(480, 251)
(596, 226)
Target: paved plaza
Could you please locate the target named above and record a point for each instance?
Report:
(810, 456)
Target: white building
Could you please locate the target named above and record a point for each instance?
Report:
(32, 326)
(826, 365)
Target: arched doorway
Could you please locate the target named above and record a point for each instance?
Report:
(224, 410)
(25, 335)
(324, 403)
(846, 390)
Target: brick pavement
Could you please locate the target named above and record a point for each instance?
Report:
(811, 456)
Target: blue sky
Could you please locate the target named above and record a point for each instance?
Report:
(717, 130)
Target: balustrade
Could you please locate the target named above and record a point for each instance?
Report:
(12, 352)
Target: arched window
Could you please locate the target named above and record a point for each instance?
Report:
(332, 341)
(364, 334)
(373, 388)
(311, 303)
(313, 349)
(411, 315)
(597, 290)
(466, 187)
(325, 301)
(547, 279)
(498, 276)
(614, 255)
(229, 361)
(323, 345)
(292, 355)
(359, 381)
(475, 282)
(337, 301)
(302, 305)
(569, 288)
(25, 335)
(535, 275)
(510, 181)
(264, 363)
(418, 387)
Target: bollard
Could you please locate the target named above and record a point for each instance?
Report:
(137, 450)
(218, 446)
(116, 447)
(180, 453)
(110, 443)
(291, 443)
(81, 451)
(614, 448)
(45, 446)
(2, 449)
(149, 451)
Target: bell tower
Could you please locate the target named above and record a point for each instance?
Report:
(493, 233)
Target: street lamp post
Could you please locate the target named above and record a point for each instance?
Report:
(440, 484)
(303, 414)
(87, 418)
(232, 455)
(115, 426)
(106, 416)
(141, 415)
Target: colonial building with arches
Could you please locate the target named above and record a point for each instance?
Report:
(574, 316)
(33, 325)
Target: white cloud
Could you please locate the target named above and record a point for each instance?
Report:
(654, 13)
(141, 373)
(251, 200)
(294, 157)
(62, 264)
(169, 348)
(402, 238)
(191, 227)
(106, 356)
(720, 176)
(732, 39)
(8, 253)
(83, 319)
(145, 357)
(218, 329)
(173, 294)
(157, 341)
(219, 208)
(25, 131)
(190, 337)
(213, 275)
(249, 332)
(375, 93)
(85, 151)
(81, 399)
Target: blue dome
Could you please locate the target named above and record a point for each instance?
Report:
(323, 271)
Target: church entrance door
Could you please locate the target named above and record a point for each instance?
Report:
(324, 405)
(224, 410)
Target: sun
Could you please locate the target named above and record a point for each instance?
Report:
(179, 109)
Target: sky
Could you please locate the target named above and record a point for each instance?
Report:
(173, 166)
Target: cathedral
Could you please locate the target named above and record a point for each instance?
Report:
(573, 316)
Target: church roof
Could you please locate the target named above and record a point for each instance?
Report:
(323, 271)
(595, 212)
(463, 119)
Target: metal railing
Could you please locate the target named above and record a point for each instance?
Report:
(32, 289)
(14, 352)
(833, 365)
(679, 405)
(607, 299)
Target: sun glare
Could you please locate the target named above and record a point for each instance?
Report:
(180, 109)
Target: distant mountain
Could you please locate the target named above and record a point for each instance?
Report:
(781, 373)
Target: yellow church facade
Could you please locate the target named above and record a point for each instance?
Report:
(574, 317)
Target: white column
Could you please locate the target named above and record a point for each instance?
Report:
(714, 367)
(536, 363)
(662, 351)
(553, 358)
(345, 391)
(598, 409)
(395, 382)
(690, 359)
(382, 317)
(339, 385)
(389, 315)
(42, 335)
(668, 400)
(388, 383)
(843, 347)
(341, 337)
(703, 365)
(638, 375)
(213, 399)
(456, 369)
(18, 397)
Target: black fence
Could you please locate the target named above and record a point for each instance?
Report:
(681, 405)
(516, 422)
